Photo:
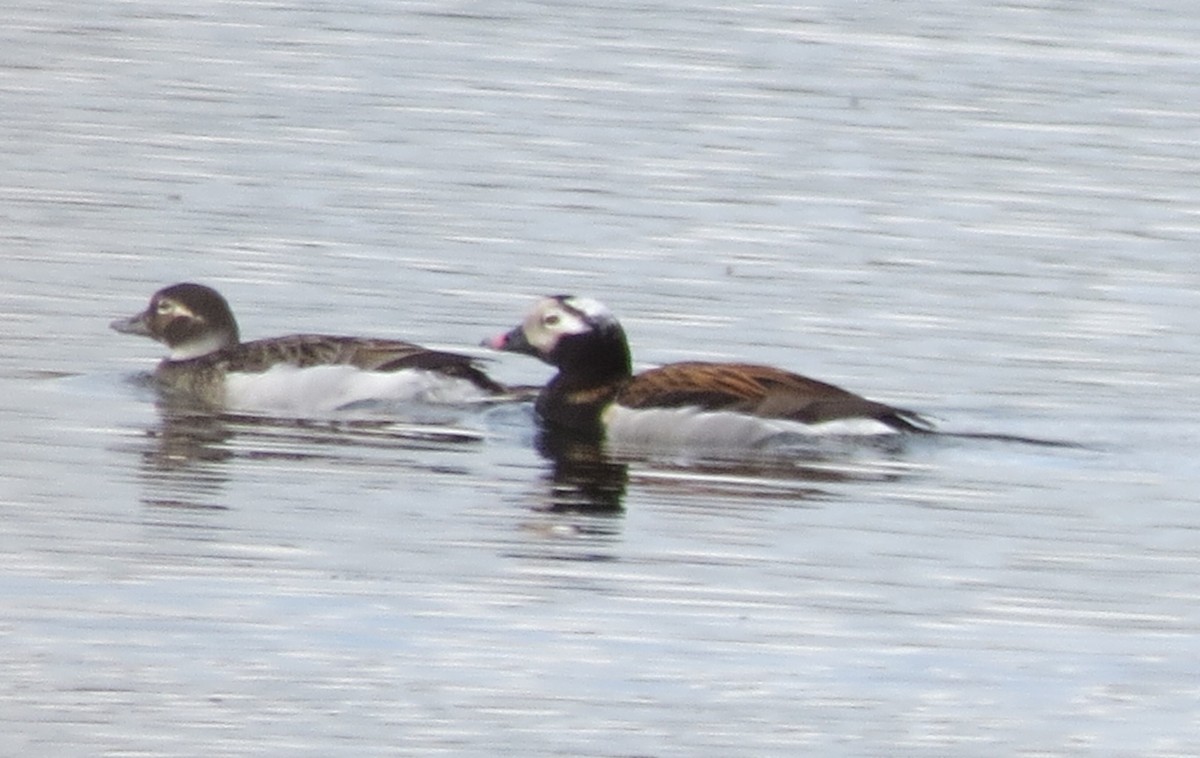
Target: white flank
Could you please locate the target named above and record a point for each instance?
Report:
(326, 389)
(692, 428)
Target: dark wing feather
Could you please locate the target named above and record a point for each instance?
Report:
(305, 350)
(757, 390)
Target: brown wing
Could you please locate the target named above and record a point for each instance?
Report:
(757, 390)
(304, 350)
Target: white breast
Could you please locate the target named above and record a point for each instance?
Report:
(326, 389)
(692, 428)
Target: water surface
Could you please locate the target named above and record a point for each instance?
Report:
(985, 212)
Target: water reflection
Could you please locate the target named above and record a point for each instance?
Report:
(582, 477)
(586, 476)
(188, 456)
(181, 462)
(579, 510)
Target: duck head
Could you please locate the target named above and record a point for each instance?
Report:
(578, 335)
(190, 319)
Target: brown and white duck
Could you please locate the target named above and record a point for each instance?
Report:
(689, 404)
(297, 374)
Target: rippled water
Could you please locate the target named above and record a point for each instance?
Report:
(986, 212)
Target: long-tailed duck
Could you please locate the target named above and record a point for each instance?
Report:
(681, 404)
(300, 373)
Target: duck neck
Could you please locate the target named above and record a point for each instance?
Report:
(587, 381)
(577, 406)
(600, 359)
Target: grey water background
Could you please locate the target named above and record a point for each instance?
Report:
(986, 211)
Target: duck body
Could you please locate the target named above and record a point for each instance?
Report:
(300, 373)
(689, 404)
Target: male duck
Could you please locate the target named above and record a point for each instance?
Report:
(300, 373)
(689, 404)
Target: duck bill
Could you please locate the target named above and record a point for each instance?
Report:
(511, 342)
(132, 325)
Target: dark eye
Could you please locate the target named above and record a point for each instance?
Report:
(164, 306)
(551, 320)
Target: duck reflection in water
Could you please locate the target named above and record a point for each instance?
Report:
(183, 463)
(591, 477)
(188, 456)
(583, 478)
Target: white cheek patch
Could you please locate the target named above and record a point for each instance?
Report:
(170, 310)
(539, 335)
(550, 321)
(570, 323)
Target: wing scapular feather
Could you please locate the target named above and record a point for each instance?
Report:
(758, 390)
(306, 350)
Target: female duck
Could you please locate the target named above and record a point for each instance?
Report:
(682, 404)
(301, 373)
